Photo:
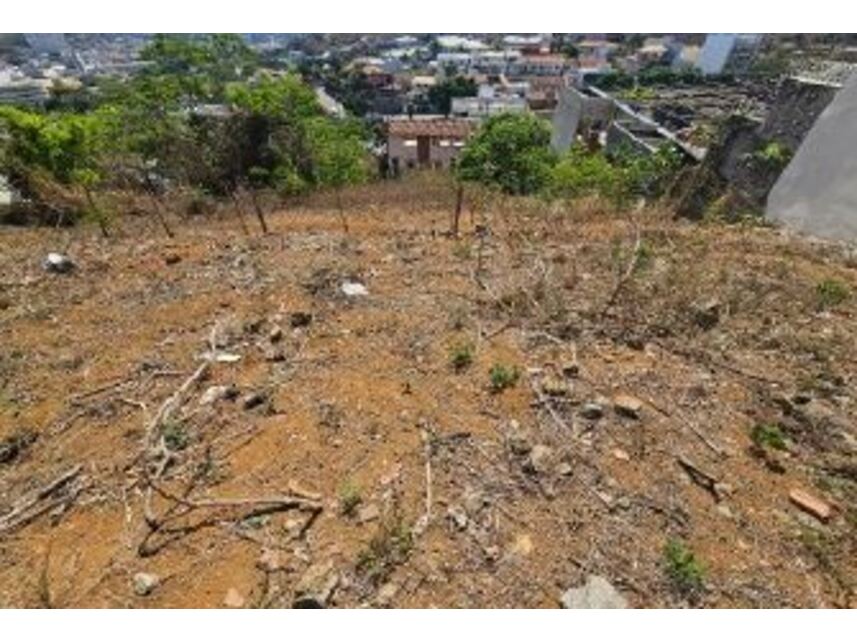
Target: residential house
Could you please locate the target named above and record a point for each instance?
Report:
(547, 65)
(425, 142)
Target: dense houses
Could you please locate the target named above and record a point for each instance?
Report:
(428, 92)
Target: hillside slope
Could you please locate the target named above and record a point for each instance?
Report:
(371, 470)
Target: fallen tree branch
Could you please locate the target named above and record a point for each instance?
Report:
(31, 507)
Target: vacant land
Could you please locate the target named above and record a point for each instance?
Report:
(562, 391)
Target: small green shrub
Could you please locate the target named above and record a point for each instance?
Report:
(831, 292)
(349, 498)
(683, 568)
(175, 436)
(462, 251)
(389, 547)
(768, 436)
(461, 356)
(503, 377)
(773, 155)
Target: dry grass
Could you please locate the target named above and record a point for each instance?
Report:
(717, 329)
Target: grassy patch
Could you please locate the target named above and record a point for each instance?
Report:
(503, 377)
(175, 436)
(683, 568)
(768, 436)
(389, 547)
(461, 356)
(349, 498)
(830, 293)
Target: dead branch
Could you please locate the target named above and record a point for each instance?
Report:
(34, 506)
(629, 269)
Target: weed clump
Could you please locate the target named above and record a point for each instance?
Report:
(389, 547)
(349, 498)
(503, 377)
(461, 356)
(830, 293)
(768, 436)
(683, 568)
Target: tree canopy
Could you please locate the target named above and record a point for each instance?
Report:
(510, 152)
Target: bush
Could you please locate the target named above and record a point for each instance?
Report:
(349, 498)
(510, 152)
(683, 568)
(503, 377)
(768, 435)
(461, 356)
(830, 293)
(620, 177)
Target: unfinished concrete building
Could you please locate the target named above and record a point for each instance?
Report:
(817, 192)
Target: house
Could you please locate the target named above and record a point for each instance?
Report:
(548, 65)
(543, 91)
(425, 142)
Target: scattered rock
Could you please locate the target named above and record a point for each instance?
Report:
(518, 439)
(725, 511)
(275, 335)
(628, 405)
(354, 289)
(386, 594)
(555, 387)
(457, 516)
(275, 354)
(540, 459)
(368, 513)
(706, 315)
(564, 469)
(254, 399)
(592, 410)
(315, 588)
(172, 258)
(15, 445)
(597, 593)
(225, 358)
(571, 369)
(216, 393)
(58, 263)
(812, 505)
(145, 584)
(621, 454)
(270, 560)
(300, 319)
(523, 545)
(233, 599)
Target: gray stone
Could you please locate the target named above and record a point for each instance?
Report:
(457, 516)
(252, 400)
(628, 405)
(597, 593)
(540, 459)
(592, 410)
(145, 584)
(368, 513)
(216, 393)
(58, 263)
(354, 289)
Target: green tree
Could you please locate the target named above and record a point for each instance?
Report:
(338, 156)
(440, 96)
(510, 152)
(44, 151)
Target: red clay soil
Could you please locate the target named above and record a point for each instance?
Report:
(416, 483)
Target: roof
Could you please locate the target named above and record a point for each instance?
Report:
(443, 127)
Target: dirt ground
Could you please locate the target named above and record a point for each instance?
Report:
(345, 458)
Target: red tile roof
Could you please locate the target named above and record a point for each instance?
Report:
(441, 127)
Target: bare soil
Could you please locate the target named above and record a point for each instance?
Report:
(414, 483)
